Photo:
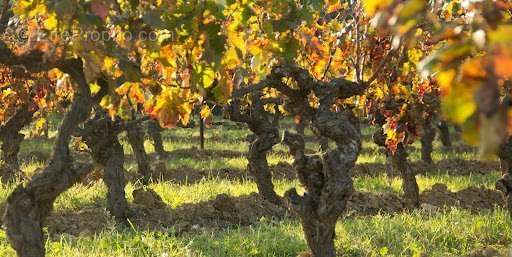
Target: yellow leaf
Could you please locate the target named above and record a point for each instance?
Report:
(40, 124)
(411, 8)
(236, 39)
(51, 22)
(124, 88)
(21, 6)
(108, 63)
(95, 88)
(132, 90)
(205, 112)
(502, 35)
(445, 80)
(371, 6)
(136, 94)
(171, 106)
(39, 9)
(459, 104)
(231, 59)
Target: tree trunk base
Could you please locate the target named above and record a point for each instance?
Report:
(409, 184)
(320, 236)
(28, 206)
(427, 140)
(504, 184)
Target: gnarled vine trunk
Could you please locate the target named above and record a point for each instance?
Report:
(326, 178)
(29, 204)
(400, 163)
(11, 137)
(266, 135)
(409, 184)
(444, 134)
(136, 140)
(429, 133)
(504, 184)
(258, 165)
(100, 133)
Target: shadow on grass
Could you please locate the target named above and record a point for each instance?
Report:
(225, 211)
(451, 167)
(220, 213)
(285, 171)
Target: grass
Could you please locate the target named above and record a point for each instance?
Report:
(452, 232)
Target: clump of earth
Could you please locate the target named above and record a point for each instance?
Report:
(472, 198)
(148, 198)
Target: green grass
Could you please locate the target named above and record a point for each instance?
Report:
(451, 232)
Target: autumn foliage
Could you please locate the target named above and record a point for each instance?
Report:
(402, 65)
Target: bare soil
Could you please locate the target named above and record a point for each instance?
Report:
(472, 198)
(150, 213)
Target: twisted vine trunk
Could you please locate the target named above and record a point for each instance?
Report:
(444, 134)
(115, 181)
(326, 178)
(155, 132)
(258, 165)
(101, 136)
(11, 137)
(266, 135)
(136, 140)
(429, 133)
(504, 184)
(409, 184)
(29, 204)
(399, 162)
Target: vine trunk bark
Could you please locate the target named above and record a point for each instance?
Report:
(100, 133)
(265, 136)
(29, 204)
(326, 178)
(11, 137)
(427, 140)
(136, 140)
(155, 132)
(258, 165)
(409, 184)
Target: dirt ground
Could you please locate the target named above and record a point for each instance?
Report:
(149, 212)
